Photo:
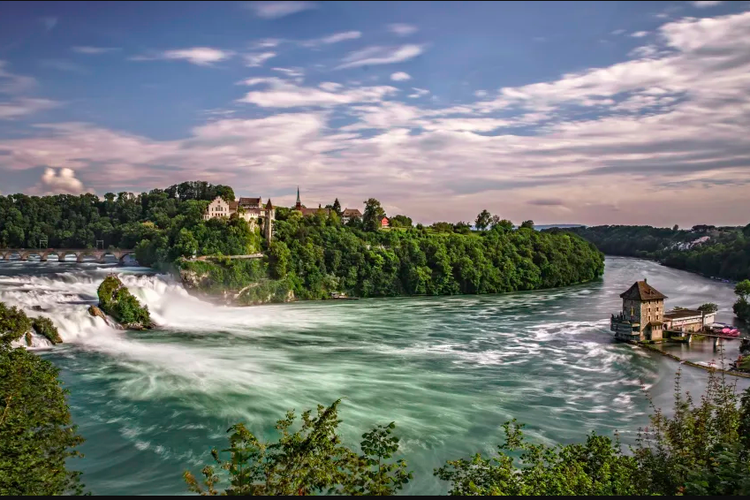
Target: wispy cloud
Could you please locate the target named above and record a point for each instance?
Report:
(22, 107)
(330, 39)
(63, 65)
(290, 72)
(255, 60)
(618, 32)
(267, 43)
(93, 50)
(546, 202)
(639, 34)
(49, 22)
(11, 83)
(402, 29)
(705, 3)
(418, 93)
(200, 56)
(283, 94)
(400, 76)
(371, 56)
(275, 10)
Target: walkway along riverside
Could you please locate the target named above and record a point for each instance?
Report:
(80, 253)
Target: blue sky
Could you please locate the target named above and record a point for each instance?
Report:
(608, 112)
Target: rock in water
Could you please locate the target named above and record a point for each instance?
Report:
(120, 304)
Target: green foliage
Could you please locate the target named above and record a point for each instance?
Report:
(708, 308)
(741, 308)
(325, 257)
(529, 224)
(336, 207)
(14, 324)
(701, 449)
(400, 221)
(596, 467)
(118, 302)
(44, 327)
(725, 254)
(36, 435)
(311, 460)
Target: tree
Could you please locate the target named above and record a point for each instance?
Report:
(278, 259)
(400, 221)
(675, 228)
(708, 308)
(337, 207)
(372, 216)
(14, 324)
(310, 461)
(528, 224)
(462, 227)
(36, 435)
(741, 308)
(483, 221)
(442, 227)
(501, 225)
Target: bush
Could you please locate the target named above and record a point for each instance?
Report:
(44, 327)
(309, 461)
(14, 324)
(36, 435)
(118, 302)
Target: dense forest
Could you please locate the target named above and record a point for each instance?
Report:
(311, 256)
(712, 251)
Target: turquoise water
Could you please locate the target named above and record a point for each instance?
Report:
(448, 370)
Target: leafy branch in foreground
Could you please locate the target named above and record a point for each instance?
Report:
(311, 460)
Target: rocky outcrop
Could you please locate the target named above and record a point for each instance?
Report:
(45, 328)
(116, 301)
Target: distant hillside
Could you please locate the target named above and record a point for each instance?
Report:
(542, 227)
(709, 250)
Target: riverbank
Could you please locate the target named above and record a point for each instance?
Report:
(653, 348)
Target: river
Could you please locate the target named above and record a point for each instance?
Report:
(448, 370)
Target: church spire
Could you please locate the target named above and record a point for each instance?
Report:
(298, 205)
(298, 202)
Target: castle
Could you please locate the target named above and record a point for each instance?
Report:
(250, 209)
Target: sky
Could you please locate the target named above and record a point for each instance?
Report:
(559, 112)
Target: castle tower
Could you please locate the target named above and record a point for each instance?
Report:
(270, 215)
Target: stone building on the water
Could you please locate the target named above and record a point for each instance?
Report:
(250, 209)
(642, 315)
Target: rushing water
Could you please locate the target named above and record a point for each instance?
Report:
(448, 370)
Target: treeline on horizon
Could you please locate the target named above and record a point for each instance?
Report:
(725, 253)
(311, 256)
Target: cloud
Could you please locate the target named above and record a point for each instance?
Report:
(402, 29)
(668, 124)
(400, 76)
(200, 56)
(480, 93)
(11, 83)
(371, 56)
(330, 39)
(618, 32)
(60, 182)
(63, 65)
(275, 10)
(639, 34)
(267, 43)
(23, 107)
(282, 94)
(291, 72)
(255, 60)
(546, 202)
(418, 93)
(48, 22)
(706, 3)
(88, 50)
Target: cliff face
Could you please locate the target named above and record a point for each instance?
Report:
(121, 305)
